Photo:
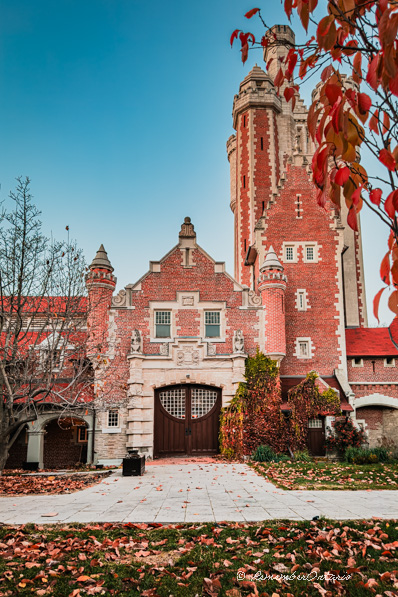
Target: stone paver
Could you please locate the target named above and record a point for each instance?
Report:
(200, 491)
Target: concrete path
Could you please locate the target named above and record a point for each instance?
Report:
(195, 492)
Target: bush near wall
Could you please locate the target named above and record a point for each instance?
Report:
(254, 417)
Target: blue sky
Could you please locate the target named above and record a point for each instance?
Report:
(119, 111)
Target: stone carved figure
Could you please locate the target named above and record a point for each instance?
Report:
(211, 349)
(164, 349)
(239, 342)
(136, 342)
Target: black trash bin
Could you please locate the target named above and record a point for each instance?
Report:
(30, 466)
(134, 464)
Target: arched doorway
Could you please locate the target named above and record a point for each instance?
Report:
(65, 443)
(186, 420)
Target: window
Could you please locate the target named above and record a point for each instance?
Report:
(162, 324)
(212, 324)
(301, 300)
(315, 423)
(357, 362)
(389, 362)
(289, 253)
(309, 253)
(82, 435)
(304, 348)
(113, 418)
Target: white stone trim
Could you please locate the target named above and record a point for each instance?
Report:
(304, 293)
(354, 364)
(313, 245)
(284, 247)
(386, 364)
(311, 348)
(376, 399)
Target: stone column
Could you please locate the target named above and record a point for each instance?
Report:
(35, 447)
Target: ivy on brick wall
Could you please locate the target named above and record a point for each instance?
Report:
(254, 418)
(308, 402)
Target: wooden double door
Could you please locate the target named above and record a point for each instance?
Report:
(186, 420)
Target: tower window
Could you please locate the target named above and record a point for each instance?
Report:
(244, 121)
(301, 302)
(310, 253)
(298, 207)
(289, 253)
(262, 143)
(304, 348)
(244, 181)
(389, 362)
(162, 324)
(212, 324)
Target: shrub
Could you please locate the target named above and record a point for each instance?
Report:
(365, 455)
(263, 454)
(382, 453)
(302, 456)
(281, 458)
(344, 435)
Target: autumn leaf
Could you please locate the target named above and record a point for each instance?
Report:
(234, 36)
(375, 196)
(387, 159)
(342, 176)
(251, 13)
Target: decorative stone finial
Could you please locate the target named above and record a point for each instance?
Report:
(271, 261)
(101, 260)
(187, 229)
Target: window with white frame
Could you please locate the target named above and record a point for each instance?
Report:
(301, 300)
(315, 423)
(162, 324)
(310, 253)
(289, 253)
(212, 324)
(304, 348)
(389, 362)
(357, 362)
(113, 418)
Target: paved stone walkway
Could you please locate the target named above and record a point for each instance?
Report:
(195, 492)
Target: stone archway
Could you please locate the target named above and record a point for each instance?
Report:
(379, 416)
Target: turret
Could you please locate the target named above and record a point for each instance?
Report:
(255, 163)
(100, 283)
(272, 287)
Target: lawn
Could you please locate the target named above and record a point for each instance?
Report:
(329, 475)
(209, 559)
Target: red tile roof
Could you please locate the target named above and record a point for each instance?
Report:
(372, 342)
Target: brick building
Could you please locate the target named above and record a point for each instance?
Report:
(173, 344)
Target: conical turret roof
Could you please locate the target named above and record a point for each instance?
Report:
(101, 260)
(271, 261)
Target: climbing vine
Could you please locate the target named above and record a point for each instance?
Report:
(254, 417)
(307, 402)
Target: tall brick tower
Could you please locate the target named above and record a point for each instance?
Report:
(254, 162)
(272, 286)
(100, 283)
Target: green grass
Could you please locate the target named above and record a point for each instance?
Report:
(329, 475)
(185, 560)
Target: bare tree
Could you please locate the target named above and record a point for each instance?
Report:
(43, 314)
